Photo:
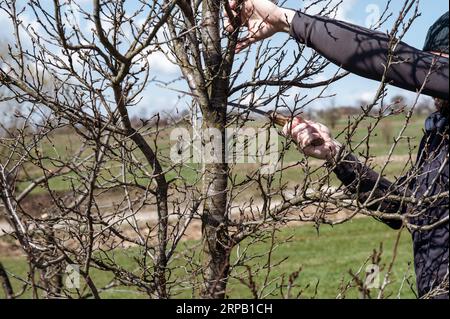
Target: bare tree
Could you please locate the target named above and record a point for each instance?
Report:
(206, 56)
(88, 79)
(111, 184)
(330, 116)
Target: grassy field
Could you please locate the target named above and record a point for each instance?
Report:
(326, 259)
(64, 145)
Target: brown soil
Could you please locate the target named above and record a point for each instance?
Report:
(37, 204)
(10, 248)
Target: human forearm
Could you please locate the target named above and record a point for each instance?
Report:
(285, 18)
(365, 52)
(369, 186)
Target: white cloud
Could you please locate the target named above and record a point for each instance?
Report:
(319, 78)
(27, 21)
(5, 23)
(158, 61)
(366, 96)
(160, 64)
(7, 32)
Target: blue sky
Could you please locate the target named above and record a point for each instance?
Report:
(348, 91)
(354, 88)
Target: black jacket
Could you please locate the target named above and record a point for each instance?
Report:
(364, 52)
(428, 182)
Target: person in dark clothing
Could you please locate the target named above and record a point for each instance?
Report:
(420, 198)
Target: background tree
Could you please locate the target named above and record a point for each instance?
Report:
(95, 78)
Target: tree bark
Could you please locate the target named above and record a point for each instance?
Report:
(6, 284)
(160, 263)
(216, 246)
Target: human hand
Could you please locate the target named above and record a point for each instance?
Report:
(304, 132)
(262, 18)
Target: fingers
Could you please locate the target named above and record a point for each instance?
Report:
(227, 24)
(302, 133)
(300, 130)
(307, 137)
(287, 129)
(230, 15)
(324, 152)
(321, 152)
(245, 43)
(323, 129)
(306, 133)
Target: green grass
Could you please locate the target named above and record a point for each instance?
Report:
(63, 145)
(329, 256)
(326, 258)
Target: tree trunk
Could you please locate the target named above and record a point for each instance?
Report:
(216, 246)
(6, 284)
(215, 223)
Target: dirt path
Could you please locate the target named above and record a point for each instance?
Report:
(4, 227)
(150, 217)
(145, 218)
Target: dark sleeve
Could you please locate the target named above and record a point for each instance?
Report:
(362, 181)
(364, 52)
